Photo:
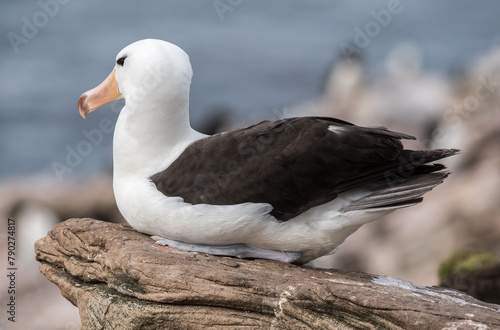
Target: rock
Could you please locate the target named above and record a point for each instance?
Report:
(120, 279)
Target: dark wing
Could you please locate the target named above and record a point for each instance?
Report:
(292, 164)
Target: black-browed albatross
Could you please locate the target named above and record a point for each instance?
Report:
(289, 190)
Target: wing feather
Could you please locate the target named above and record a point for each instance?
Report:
(292, 164)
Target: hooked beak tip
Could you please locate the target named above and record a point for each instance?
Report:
(106, 92)
(83, 107)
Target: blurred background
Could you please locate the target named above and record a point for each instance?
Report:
(431, 69)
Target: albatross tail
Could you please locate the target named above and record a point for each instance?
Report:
(404, 182)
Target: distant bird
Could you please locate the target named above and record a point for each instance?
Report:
(289, 190)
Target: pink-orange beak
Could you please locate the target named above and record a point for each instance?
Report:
(106, 92)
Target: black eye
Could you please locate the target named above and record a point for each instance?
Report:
(121, 60)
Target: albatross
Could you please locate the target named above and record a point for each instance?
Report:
(290, 190)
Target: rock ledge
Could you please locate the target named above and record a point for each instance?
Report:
(120, 279)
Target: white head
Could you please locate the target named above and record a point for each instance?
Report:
(147, 72)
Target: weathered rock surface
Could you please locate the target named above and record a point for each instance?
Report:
(120, 279)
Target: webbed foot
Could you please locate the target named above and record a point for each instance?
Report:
(234, 250)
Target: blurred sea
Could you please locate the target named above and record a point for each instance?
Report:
(248, 56)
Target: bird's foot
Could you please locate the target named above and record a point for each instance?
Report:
(234, 250)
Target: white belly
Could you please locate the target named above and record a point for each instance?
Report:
(315, 232)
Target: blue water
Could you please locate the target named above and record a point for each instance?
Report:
(250, 56)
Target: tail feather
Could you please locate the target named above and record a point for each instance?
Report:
(404, 182)
(408, 164)
(407, 193)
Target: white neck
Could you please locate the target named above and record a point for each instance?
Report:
(149, 137)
